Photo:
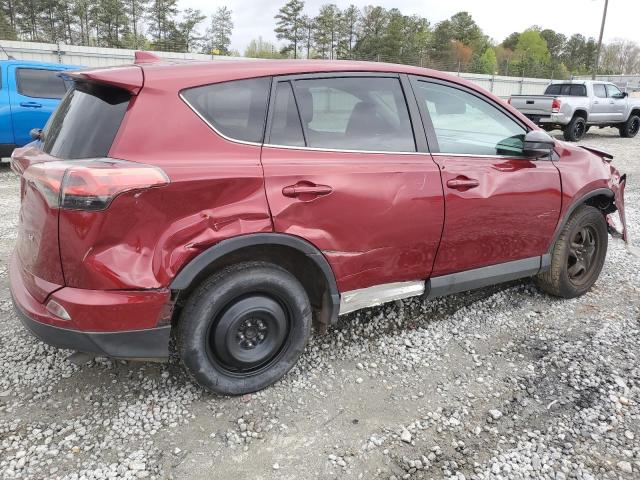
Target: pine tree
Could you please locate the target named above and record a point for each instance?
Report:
(219, 32)
(187, 34)
(162, 22)
(136, 10)
(290, 25)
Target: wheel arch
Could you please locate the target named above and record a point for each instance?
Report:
(299, 257)
(580, 112)
(601, 198)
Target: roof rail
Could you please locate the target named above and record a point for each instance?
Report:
(145, 57)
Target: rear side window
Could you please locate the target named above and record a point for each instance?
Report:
(40, 83)
(599, 90)
(286, 128)
(86, 122)
(236, 109)
(350, 113)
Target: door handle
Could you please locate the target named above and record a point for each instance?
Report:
(306, 189)
(462, 183)
(31, 104)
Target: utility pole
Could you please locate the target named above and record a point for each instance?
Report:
(604, 18)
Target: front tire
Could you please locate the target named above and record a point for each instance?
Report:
(575, 129)
(630, 128)
(578, 255)
(244, 328)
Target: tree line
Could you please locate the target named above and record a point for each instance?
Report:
(371, 33)
(136, 24)
(457, 43)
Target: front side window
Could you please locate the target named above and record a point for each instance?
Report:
(237, 109)
(466, 124)
(613, 91)
(39, 83)
(346, 113)
(599, 90)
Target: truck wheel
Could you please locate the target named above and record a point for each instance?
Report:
(244, 328)
(577, 256)
(575, 129)
(630, 128)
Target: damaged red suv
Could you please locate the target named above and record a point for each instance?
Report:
(234, 205)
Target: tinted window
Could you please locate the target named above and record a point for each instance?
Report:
(613, 91)
(466, 124)
(363, 113)
(599, 90)
(86, 122)
(236, 109)
(40, 83)
(566, 89)
(286, 128)
(578, 91)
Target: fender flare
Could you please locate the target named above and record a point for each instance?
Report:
(575, 204)
(194, 267)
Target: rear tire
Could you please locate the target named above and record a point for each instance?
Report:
(244, 328)
(575, 129)
(630, 128)
(577, 256)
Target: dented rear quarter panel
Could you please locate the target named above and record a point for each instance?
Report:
(143, 239)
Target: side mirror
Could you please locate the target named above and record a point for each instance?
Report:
(36, 133)
(538, 143)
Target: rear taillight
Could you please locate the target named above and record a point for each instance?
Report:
(555, 105)
(90, 184)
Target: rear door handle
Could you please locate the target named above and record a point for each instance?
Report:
(31, 104)
(306, 189)
(462, 183)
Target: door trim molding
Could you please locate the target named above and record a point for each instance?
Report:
(485, 276)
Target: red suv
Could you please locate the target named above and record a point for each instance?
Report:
(232, 205)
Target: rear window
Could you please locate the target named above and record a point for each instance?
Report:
(40, 83)
(86, 122)
(236, 109)
(567, 90)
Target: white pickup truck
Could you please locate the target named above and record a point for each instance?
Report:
(574, 106)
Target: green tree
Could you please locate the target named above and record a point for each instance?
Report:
(136, 10)
(261, 49)
(466, 30)
(219, 32)
(373, 26)
(531, 54)
(162, 22)
(555, 42)
(290, 25)
(349, 21)
(511, 41)
(487, 62)
(327, 30)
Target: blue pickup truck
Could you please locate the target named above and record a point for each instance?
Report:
(29, 93)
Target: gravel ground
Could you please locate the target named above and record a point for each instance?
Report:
(504, 382)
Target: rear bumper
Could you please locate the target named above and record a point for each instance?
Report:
(129, 342)
(150, 343)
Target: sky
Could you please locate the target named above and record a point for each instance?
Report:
(497, 18)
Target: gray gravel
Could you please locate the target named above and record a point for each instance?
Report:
(500, 383)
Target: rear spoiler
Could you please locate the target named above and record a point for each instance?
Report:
(129, 78)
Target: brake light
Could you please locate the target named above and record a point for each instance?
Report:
(90, 184)
(555, 105)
